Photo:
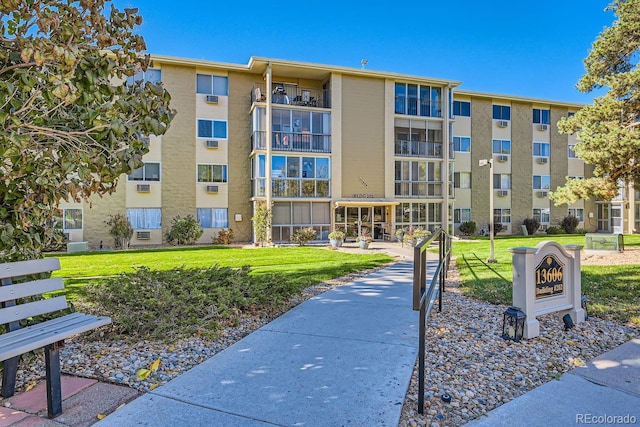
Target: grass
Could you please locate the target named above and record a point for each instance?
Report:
(613, 292)
(302, 265)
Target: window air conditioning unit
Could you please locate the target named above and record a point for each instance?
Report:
(212, 144)
(212, 99)
(542, 194)
(543, 127)
(503, 193)
(503, 158)
(143, 235)
(143, 188)
(503, 123)
(543, 160)
(212, 188)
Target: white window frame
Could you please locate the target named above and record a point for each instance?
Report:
(213, 134)
(542, 179)
(543, 215)
(577, 212)
(213, 78)
(146, 218)
(225, 173)
(461, 215)
(541, 145)
(458, 140)
(144, 173)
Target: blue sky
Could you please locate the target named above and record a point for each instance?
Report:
(530, 49)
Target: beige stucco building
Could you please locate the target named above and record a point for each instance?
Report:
(334, 147)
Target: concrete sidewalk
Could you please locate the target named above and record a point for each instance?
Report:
(344, 357)
(604, 392)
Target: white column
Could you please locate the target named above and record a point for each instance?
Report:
(269, 141)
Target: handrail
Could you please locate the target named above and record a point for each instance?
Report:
(424, 297)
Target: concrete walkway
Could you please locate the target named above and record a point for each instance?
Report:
(342, 358)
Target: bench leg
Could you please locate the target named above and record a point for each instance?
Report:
(54, 383)
(9, 372)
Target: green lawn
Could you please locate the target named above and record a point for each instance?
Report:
(302, 265)
(613, 292)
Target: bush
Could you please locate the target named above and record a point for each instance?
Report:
(303, 236)
(421, 233)
(54, 240)
(553, 229)
(178, 303)
(569, 224)
(581, 231)
(225, 237)
(468, 228)
(336, 235)
(497, 228)
(531, 224)
(184, 231)
(121, 230)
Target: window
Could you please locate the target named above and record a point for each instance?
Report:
(212, 173)
(543, 216)
(502, 181)
(148, 172)
(541, 116)
(501, 112)
(69, 219)
(462, 179)
(151, 75)
(145, 219)
(502, 216)
(541, 182)
(462, 144)
(295, 176)
(212, 85)
(570, 113)
(461, 215)
(462, 108)
(418, 178)
(571, 151)
(213, 217)
(577, 212)
(418, 100)
(212, 128)
(501, 146)
(541, 149)
(428, 215)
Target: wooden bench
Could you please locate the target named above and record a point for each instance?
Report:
(49, 334)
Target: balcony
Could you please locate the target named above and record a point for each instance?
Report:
(418, 149)
(287, 94)
(293, 141)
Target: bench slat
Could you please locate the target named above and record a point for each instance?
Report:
(35, 308)
(24, 268)
(58, 321)
(49, 332)
(27, 289)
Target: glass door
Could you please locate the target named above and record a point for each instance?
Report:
(616, 219)
(603, 217)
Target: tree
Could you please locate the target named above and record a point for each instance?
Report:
(261, 221)
(69, 128)
(121, 230)
(608, 129)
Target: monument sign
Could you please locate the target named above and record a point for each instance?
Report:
(547, 279)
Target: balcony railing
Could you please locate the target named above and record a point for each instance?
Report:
(291, 95)
(418, 149)
(293, 141)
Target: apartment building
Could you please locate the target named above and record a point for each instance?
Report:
(334, 147)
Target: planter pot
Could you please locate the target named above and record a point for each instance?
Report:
(336, 243)
(363, 244)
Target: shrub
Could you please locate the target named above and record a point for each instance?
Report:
(569, 224)
(184, 231)
(468, 228)
(121, 230)
(421, 233)
(303, 236)
(581, 231)
(225, 237)
(54, 240)
(336, 235)
(531, 224)
(553, 229)
(497, 228)
(262, 220)
(177, 303)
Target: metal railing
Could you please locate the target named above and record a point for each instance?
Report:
(293, 141)
(425, 296)
(418, 149)
(288, 94)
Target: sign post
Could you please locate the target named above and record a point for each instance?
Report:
(547, 279)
